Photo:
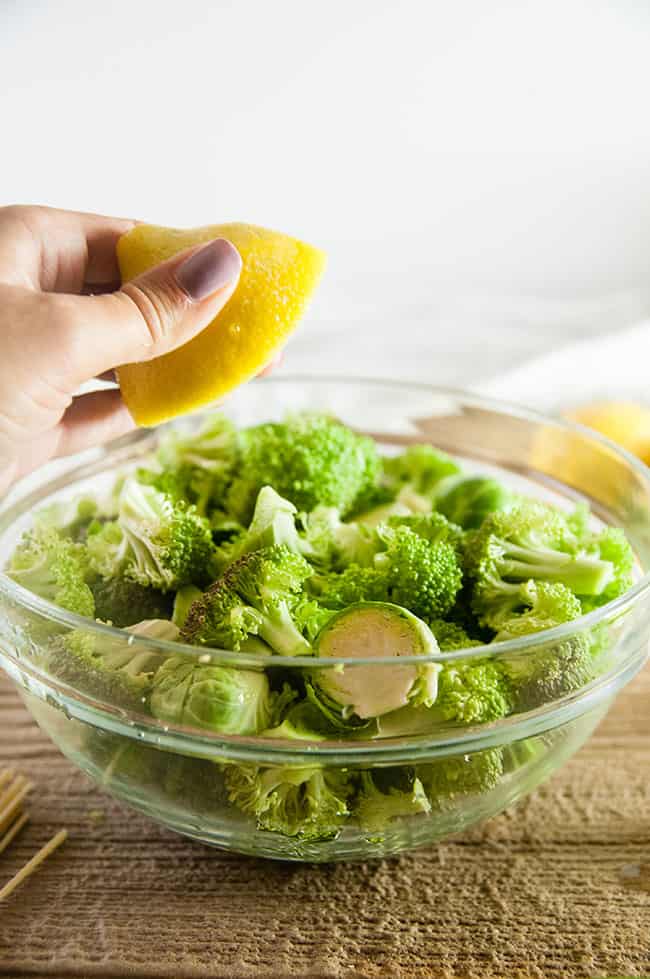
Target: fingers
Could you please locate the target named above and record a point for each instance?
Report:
(58, 251)
(91, 419)
(149, 316)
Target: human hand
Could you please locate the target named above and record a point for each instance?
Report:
(64, 320)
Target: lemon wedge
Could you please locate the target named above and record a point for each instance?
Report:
(625, 423)
(278, 276)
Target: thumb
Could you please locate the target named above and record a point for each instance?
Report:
(154, 313)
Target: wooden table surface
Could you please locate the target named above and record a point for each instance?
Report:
(559, 886)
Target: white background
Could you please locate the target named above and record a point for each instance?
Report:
(478, 171)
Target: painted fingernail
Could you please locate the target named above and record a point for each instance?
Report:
(212, 267)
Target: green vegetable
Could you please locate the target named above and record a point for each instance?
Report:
(155, 541)
(445, 779)
(529, 541)
(546, 673)
(217, 698)
(543, 606)
(375, 629)
(309, 459)
(468, 500)
(111, 669)
(451, 635)
(183, 601)
(309, 803)
(255, 597)
(123, 602)
(385, 794)
(472, 692)
(420, 467)
(196, 466)
(421, 576)
(55, 568)
(329, 542)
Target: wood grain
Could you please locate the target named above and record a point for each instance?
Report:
(557, 887)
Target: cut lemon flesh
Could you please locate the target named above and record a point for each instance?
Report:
(278, 276)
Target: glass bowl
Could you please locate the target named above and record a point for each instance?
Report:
(201, 784)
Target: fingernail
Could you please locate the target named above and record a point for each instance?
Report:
(212, 267)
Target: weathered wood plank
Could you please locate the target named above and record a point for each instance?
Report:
(557, 887)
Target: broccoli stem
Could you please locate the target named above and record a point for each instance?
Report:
(279, 631)
(583, 575)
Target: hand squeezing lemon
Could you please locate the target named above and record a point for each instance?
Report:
(278, 276)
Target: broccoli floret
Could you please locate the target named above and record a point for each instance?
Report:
(445, 779)
(355, 584)
(542, 675)
(374, 629)
(70, 518)
(385, 794)
(255, 596)
(196, 467)
(468, 500)
(329, 542)
(155, 542)
(433, 527)
(123, 602)
(529, 541)
(451, 635)
(472, 692)
(420, 467)
(216, 698)
(53, 567)
(410, 571)
(307, 721)
(309, 803)
(309, 459)
(112, 670)
(545, 605)
(611, 545)
(421, 576)
(310, 617)
(183, 601)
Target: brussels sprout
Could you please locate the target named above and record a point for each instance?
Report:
(467, 500)
(375, 629)
(216, 698)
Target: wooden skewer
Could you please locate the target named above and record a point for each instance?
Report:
(31, 866)
(13, 831)
(8, 814)
(11, 791)
(6, 775)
